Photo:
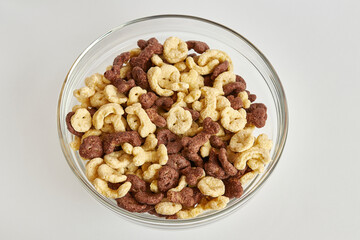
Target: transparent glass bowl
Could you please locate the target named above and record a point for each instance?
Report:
(248, 62)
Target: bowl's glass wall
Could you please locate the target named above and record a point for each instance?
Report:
(248, 62)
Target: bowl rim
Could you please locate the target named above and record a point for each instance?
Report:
(183, 223)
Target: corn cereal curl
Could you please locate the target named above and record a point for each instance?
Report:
(179, 120)
(211, 186)
(175, 50)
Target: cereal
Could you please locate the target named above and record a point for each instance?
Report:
(170, 140)
(135, 94)
(140, 77)
(91, 147)
(168, 178)
(213, 168)
(116, 121)
(153, 75)
(233, 88)
(113, 96)
(105, 110)
(91, 168)
(193, 96)
(154, 187)
(204, 69)
(226, 165)
(233, 120)
(210, 103)
(75, 144)
(179, 120)
(235, 102)
(141, 156)
(70, 127)
(152, 172)
(155, 117)
(192, 78)
(193, 174)
(187, 197)
(175, 50)
(118, 160)
(102, 187)
(81, 120)
(213, 54)
(256, 114)
(181, 185)
(112, 140)
(233, 188)
(122, 85)
(128, 203)
(205, 149)
(244, 99)
(223, 79)
(149, 198)
(146, 126)
(242, 140)
(222, 67)
(211, 186)
(217, 203)
(150, 142)
(177, 162)
(167, 208)
(257, 153)
(147, 100)
(198, 46)
(98, 99)
(108, 174)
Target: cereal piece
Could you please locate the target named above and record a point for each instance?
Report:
(244, 99)
(154, 74)
(146, 126)
(155, 118)
(257, 153)
(255, 164)
(213, 168)
(97, 82)
(140, 77)
(75, 144)
(175, 50)
(211, 186)
(177, 162)
(143, 59)
(180, 100)
(170, 140)
(187, 197)
(198, 46)
(149, 197)
(193, 175)
(233, 120)
(205, 149)
(179, 120)
(130, 204)
(252, 97)
(141, 156)
(216, 142)
(248, 177)
(91, 168)
(223, 79)
(122, 85)
(210, 103)
(98, 99)
(190, 213)
(194, 114)
(154, 187)
(102, 187)
(193, 156)
(213, 54)
(108, 174)
(127, 148)
(152, 172)
(256, 114)
(134, 95)
(168, 178)
(226, 165)
(113, 96)
(83, 94)
(143, 43)
(81, 120)
(116, 139)
(198, 106)
(70, 127)
(91, 147)
(150, 142)
(242, 140)
(202, 69)
(164, 102)
(222, 67)
(210, 127)
(192, 78)
(181, 185)
(194, 129)
(133, 121)
(105, 110)
(216, 203)
(233, 88)
(193, 144)
(193, 96)
(181, 66)
(233, 188)
(167, 208)
(147, 100)
(118, 160)
(236, 102)
(157, 60)
(263, 141)
(116, 121)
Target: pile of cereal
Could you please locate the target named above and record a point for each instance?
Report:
(169, 132)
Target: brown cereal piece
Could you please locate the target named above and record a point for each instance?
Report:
(233, 188)
(193, 156)
(208, 81)
(241, 173)
(227, 166)
(148, 208)
(129, 203)
(213, 168)
(70, 127)
(233, 88)
(164, 102)
(121, 59)
(216, 142)
(148, 198)
(170, 140)
(143, 60)
(256, 114)
(251, 97)
(140, 77)
(143, 43)
(177, 162)
(155, 117)
(92, 111)
(114, 186)
(222, 67)
(91, 147)
(193, 175)
(129, 76)
(194, 114)
(210, 127)
(193, 144)
(187, 197)
(117, 64)
(122, 85)
(113, 73)
(137, 184)
(236, 102)
(168, 178)
(112, 140)
(240, 79)
(147, 100)
(198, 46)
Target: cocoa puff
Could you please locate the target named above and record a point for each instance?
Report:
(122, 85)
(147, 208)
(143, 43)
(241, 173)
(129, 76)
(143, 60)
(213, 168)
(251, 97)
(216, 142)
(233, 88)
(177, 162)
(112, 140)
(194, 114)
(256, 114)
(227, 166)
(193, 157)
(121, 59)
(70, 127)
(147, 100)
(188, 197)
(236, 102)
(210, 127)
(114, 186)
(91, 147)
(208, 81)
(233, 188)
(198, 46)
(170, 140)
(140, 77)
(149, 197)
(137, 184)
(92, 111)
(222, 67)
(155, 117)
(168, 178)
(164, 102)
(129, 203)
(193, 174)
(117, 64)
(193, 144)
(241, 80)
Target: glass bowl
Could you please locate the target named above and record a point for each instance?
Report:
(248, 62)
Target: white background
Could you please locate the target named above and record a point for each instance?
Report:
(314, 192)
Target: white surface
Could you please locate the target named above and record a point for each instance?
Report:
(313, 194)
